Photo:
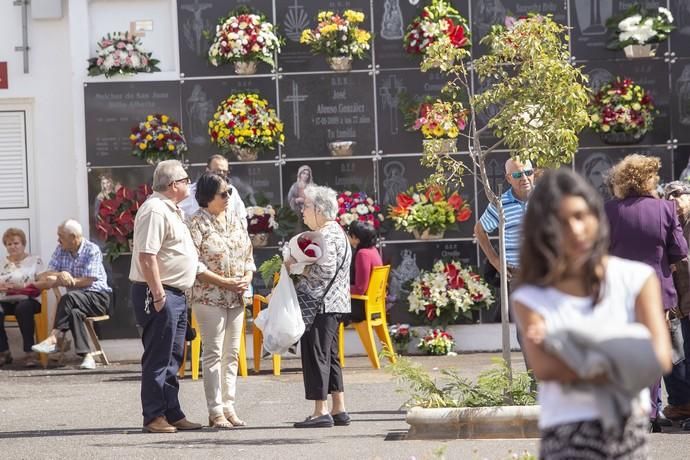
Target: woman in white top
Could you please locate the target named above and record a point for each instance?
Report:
(566, 276)
(16, 272)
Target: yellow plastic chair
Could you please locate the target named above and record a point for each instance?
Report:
(40, 325)
(196, 350)
(258, 337)
(375, 314)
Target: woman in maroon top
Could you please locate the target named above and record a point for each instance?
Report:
(646, 229)
(362, 236)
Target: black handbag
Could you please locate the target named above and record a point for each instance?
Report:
(312, 306)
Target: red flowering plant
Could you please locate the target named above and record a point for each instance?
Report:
(354, 206)
(431, 208)
(447, 292)
(157, 138)
(438, 19)
(437, 342)
(115, 218)
(621, 106)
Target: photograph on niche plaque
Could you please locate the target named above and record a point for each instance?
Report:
(294, 16)
(327, 114)
(650, 75)
(197, 16)
(113, 109)
(355, 175)
(407, 260)
(397, 175)
(200, 99)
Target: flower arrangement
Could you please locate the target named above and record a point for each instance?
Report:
(338, 37)
(244, 37)
(447, 292)
(622, 108)
(638, 26)
(354, 206)
(401, 336)
(158, 138)
(244, 123)
(115, 218)
(261, 222)
(438, 19)
(429, 210)
(120, 53)
(436, 119)
(437, 342)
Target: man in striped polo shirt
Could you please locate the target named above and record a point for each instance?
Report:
(521, 179)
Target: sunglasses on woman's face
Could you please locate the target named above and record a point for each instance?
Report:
(225, 194)
(519, 174)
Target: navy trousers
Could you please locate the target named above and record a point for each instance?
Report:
(163, 338)
(678, 381)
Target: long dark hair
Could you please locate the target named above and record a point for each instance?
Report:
(542, 261)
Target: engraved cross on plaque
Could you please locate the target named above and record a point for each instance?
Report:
(295, 98)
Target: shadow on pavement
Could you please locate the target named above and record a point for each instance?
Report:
(73, 432)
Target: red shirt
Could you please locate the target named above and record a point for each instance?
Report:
(365, 260)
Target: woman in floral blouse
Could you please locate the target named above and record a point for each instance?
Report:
(226, 251)
(17, 271)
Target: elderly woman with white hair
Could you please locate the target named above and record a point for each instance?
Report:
(329, 281)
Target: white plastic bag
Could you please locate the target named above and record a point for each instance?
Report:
(281, 323)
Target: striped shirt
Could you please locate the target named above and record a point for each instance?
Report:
(88, 263)
(514, 210)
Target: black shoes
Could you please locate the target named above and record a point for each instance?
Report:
(323, 421)
(341, 419)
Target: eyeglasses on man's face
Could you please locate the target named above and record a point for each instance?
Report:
(225, 193)
(677, 194)
(519, 174)
(184, 180)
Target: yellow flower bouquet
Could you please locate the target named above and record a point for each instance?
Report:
(338, 37)
(158, 138)
(244, 124)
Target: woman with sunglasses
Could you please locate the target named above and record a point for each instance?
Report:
(226, 251)
(646, 229)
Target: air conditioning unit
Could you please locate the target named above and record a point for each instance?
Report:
(46, 9)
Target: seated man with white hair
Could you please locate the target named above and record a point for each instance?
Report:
(77, 264)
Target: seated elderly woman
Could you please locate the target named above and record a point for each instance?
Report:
(330, 281)
(17, 272)
(225, 250)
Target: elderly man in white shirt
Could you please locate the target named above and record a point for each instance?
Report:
(216, 164)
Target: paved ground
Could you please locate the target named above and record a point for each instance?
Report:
(69, 413)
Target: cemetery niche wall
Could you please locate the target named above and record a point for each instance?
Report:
(362, 108)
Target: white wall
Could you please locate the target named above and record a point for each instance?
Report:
(48, 89)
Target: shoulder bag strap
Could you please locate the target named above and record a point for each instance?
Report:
(347, 248)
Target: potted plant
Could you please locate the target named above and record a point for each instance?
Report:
(115, 218)
(439, 121)
(622, 112)
(244, 38)
(244, 124)
(261, 223)
(436, 342)
(120, 53)
(339, 38)
(158, 138)
(428, 211)
(637, 30)
(354, 206)
(447, 292)
(401, 336)
(437, 19)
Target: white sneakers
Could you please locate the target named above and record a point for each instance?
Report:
(88, 362)
(45, 347)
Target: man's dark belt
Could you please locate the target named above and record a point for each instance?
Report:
(174, 290)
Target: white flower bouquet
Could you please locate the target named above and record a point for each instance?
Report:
(120, 53)
(638, 26)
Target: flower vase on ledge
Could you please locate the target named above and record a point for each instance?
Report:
(259, 240)
(639, 51)
(245, 67)
(427, 235)
(245, 153)
(340, 63)
(622, 138)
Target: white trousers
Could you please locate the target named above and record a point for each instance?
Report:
(221, 331)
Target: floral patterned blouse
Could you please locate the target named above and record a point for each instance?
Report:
(22, 272)
(224, 248)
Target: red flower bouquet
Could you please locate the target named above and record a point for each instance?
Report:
(437, 20)
(354, 206)
(115, 219)
(437, 342)
(306, 248)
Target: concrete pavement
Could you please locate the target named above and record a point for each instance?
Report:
(69, 413)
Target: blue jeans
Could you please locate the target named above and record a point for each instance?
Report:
(678, 381)
(163, 334)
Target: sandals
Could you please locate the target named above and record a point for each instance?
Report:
(219, 422)
(235, 420)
